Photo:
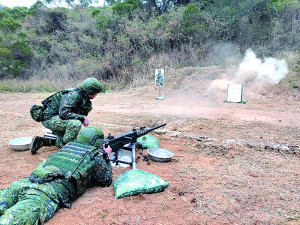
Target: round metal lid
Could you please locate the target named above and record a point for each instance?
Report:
(160, 153)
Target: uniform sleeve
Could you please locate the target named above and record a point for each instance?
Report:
(103, 171)
(69, 102)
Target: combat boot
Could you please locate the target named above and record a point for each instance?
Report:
(37, 142)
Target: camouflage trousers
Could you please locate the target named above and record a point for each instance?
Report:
(66, 130)
(25, 202)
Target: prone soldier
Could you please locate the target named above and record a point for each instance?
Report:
(58, 180)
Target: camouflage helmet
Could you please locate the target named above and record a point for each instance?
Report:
(91, 86)
(91, 135)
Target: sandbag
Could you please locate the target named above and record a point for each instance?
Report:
(135, 181)
(147, 141)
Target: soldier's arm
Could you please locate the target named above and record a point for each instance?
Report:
(68, 104)
(103, 176)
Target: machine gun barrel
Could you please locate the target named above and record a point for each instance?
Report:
(144, 131)
(129, 138)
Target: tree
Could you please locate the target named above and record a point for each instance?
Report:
(125, 8)
(193, 23)
(36, 6)
(9, 25)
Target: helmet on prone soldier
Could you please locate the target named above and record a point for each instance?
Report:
(91, 135)
(91, 86)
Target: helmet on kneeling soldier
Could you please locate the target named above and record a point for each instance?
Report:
(91, 86)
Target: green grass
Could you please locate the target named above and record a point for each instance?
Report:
(43, 85)
(22, 86)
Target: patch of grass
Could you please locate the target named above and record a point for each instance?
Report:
(293, 83)
(195, 151)
(25, 86)
(102, 216)
(4, 86)
(36, 85)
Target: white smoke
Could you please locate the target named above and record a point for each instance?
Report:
(253, 71)
(221, 83)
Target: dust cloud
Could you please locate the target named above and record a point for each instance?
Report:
(253, 72)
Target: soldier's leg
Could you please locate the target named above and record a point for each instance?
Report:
(59, 139)
(72, 129)
(69, 129)
(10, 196)
(58, 127)
(37, 142)
(7, 200)
(54, 124)
(35, 206)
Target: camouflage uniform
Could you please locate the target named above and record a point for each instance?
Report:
(25, 202)
(64, 114)
(56, 182)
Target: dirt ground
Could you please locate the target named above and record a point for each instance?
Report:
(215, 176)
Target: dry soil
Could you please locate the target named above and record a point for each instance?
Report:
(215, 178)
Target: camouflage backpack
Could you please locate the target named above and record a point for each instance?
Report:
(36, 111)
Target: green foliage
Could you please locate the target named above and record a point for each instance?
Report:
(285, 26)
(125, 8)
(104, 18)
(193, 22)
(281, 4)
(6, 57)
(222, 18)
(254, 28)
(19, 13)
(191, 14)
(35, 7)
(9, 25)
(293, 84)
(119, 42)
(16, 13)
(5, 53)
(15, 53)
(21, 51)
(3, 14)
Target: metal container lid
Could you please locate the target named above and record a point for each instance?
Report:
(160, 154)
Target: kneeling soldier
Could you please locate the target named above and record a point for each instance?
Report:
(65, 112)
(58, 180)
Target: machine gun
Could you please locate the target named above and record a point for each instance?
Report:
(127, 141)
